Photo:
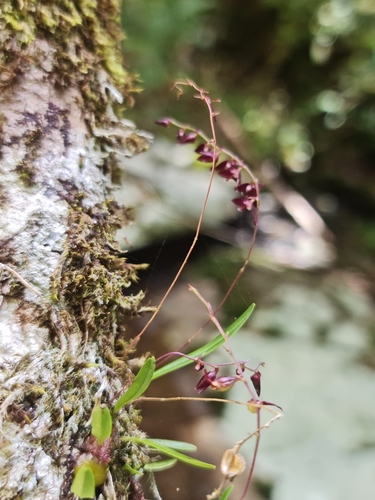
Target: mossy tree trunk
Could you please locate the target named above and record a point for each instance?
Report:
(61, 81)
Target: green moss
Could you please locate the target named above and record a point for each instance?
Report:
(85, 35)
(93, 280)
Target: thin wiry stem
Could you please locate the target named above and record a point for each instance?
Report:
(203, 95)
(252, 466)
(188, 398)
(187, 256)
(197, 231)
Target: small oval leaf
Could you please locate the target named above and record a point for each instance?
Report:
(140, 383)
(160, 466)
(84, 483)
(101, 423)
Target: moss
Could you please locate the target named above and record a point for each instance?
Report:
(90, 294)
(93, 279)
(85, 35)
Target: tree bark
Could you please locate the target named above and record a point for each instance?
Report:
(62, 317)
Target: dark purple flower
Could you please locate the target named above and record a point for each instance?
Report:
(223, 166)
(243, 204)
(203, 148)
(206, 380)
(229, 170)
(206, 153)
(184, 137)
(164, 122)
(255, 378)
(248, 190)
(207, 157)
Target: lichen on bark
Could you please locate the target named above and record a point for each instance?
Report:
(62, 86)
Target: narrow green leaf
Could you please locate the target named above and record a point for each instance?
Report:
(169, 452)
(140, 383)
(101, 423)
(131, 470)
(226, 492)
(160, 466)
(207, 348)
(175, 445)
(84, 483)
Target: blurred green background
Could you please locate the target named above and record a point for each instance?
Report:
(297, 87)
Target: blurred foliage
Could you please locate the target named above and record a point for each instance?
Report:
(162, 36)
(299, 77)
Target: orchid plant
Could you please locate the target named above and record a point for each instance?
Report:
(93, 465)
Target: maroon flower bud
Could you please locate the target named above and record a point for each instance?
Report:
(248, 190)
(203, 148)
(198, 365)
(206, 380)
(207, 157)
(255, 378)
(229, 170)
(243, 204)
(164, 122)
(223, 165)
(206, 153)
(223, 383)
(180, 133)
(230, 174)
(186, 138)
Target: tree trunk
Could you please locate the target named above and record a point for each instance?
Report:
(62, 319)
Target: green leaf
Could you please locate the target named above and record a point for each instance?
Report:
(84, 483)
(175, 445)
(140, 383)
(170, 452)
(207, 348)
(226, 492)
(160, 466)
(131, 470)
(101, 423)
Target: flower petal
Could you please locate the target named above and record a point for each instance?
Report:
(205, 381)
(243, 204)
(223, 383)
